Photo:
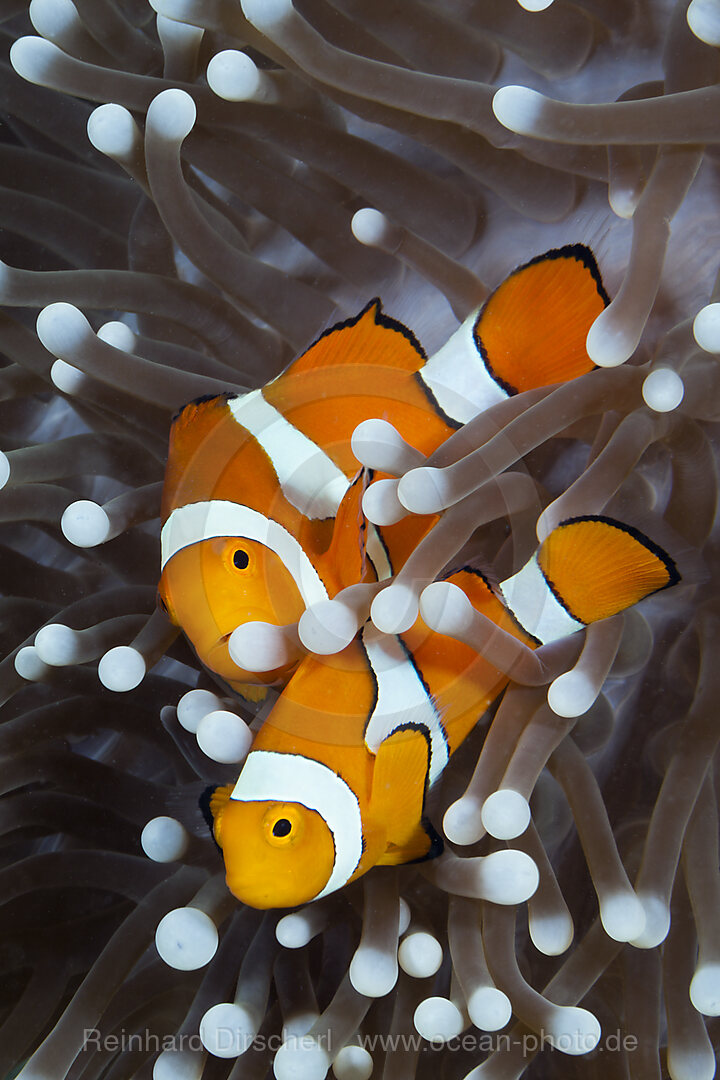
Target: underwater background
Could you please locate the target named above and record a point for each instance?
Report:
(179, 189)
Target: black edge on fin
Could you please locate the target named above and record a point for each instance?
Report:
(674, 576)
(455, 425)
(226, 394)
(437, 844)
(494, 589)
(580, 252)
(381, 319)
(204, 804)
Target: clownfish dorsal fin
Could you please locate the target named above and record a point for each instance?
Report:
(532, 330)
(397, 797)
(192, 427)
(201, 408)
(218, 801)
(371, 337)
(345, 561)
(597, 566)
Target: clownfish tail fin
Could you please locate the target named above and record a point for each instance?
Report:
(532, 330)
(597, 566)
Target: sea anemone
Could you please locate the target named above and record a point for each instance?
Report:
(192, 191)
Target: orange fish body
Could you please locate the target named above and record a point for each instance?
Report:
(337, 777)
(255, 482)
(263, 519)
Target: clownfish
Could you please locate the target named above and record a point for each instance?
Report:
(337, 777)
(259, 486)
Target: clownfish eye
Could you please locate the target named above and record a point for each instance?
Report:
(241, 559)
(283, 825)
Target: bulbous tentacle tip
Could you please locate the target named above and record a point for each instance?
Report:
(85, 524)
(52, 17)
(179, 1065)
(119, 335)
(506, 814)
(705, 989)
(233, 76)
(112, 130)
(608, 345)
(378, 445)
(57, 645)
(623, 916)
(462, 823)
(372, 228)
(267, 15)
(573, 1030)
(301, 1059)
(227, 1029)
(29, 665)
(703, 18)
(445, 608)
(551, 934)
(194, 705)
(420, 955)
(293, 931)
(489, 1008)
(34, 58)
(437, 1019)
(186, 938)
(353, 1063)
(4, 469)
(663, 390)
(381, 505)
(657, 921)
(706, 328)
(395, 609)
(571, 694)
(68, 379)
(373, 973)
(62, 328)
(327, 627)
(425, 490)
(224, 737)
(164, 839)
(261, 646)
(518, 108)
(121, 669)
(509, 877)
(172, 114)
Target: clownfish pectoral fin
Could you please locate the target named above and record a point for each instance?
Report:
(371, 337)
(531, 331)
(399, 782)
(345, 561)
(587, 569)
(215, 805)
(425, 843)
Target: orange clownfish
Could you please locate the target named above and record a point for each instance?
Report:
(255, 483)
(337, 777)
